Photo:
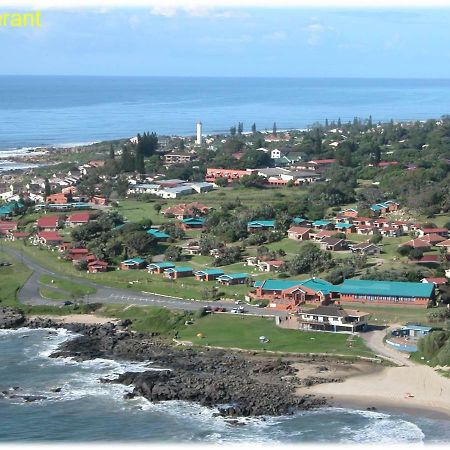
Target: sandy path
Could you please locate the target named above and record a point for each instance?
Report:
(78, 318)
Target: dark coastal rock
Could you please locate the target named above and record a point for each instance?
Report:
(11, 318)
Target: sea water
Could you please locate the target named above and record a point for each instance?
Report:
(87, 410)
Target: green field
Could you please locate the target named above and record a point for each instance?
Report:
(50, 294)
(12, 278)
(223, 330)
(70, 288)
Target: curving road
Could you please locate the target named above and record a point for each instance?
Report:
(29, 293)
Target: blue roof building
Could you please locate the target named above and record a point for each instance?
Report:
(157, 234)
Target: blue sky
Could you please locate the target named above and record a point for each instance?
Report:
(296, 42)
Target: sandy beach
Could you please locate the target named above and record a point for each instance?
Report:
(415, 389)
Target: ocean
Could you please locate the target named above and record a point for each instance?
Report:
(86, 410)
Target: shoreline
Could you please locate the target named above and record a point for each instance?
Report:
(416, 390)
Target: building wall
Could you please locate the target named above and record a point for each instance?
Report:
(387, 300)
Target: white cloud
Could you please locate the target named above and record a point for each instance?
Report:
(316, 32)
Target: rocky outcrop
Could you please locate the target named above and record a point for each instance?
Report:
(11, 318)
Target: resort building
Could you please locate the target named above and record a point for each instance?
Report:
(260, 225)
(232, 279)
(385, 292)
(159, 267)
(178, 272)
(133, 264)
(208, 274)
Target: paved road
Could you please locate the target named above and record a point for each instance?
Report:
(29, 294)
(375, 341)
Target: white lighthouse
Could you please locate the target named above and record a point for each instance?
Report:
(199, 133)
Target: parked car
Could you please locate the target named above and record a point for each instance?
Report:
(67, 303)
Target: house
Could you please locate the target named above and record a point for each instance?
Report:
(260, 225)
(185, 210)
(230, 174)
(444, 244)
(176, 158)
(178, 272)
(7, 226)
(322, 234)
(349, 212)
(437, 281)
(48, 238)
(332, 318)
(270, 266)
(321, 224)
(417, 243)
(208, 274)
(201, 187)
(158, 235)
(385, 207)
(60, 198)
(299, 233)
(97, 266)
(300, 221)
(345, 227)
(433, 238)
(390, 231)
(49, 223)
(14, 235)
(365, 248)
(77, 254)
(362, 221)
(385, 292)
(233, 278)
(289, 294)
(10, 209)
(365, 230)
(133, 264)
(333, 244)
(160, 267)
(192, 223)
(78, 219)
(440, 231)
(175, 192)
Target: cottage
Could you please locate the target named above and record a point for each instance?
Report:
(78, 219)
(365, 248)
(345, 227)
(322, 224)
(260, 225)
(322, 234)
(301, 221)
(77, 254)
(333, 318)
(349, 212)
(186, 210)
(437, 281)
(270, 266)
(14, 235)
(385, 292)
(49, 223)
(208, 274)
(233, 278)
(159, 267)
(192, 223)
(97, 266)
(440, 231)
(333, 244)
(433, 238)
(178, 272)
(48, 238)
(417, 243)
(133, 264)
(444, 244)
(158, 235)
(7, 226)
(299, 233)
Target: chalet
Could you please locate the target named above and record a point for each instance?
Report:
(385, 207)
(160, 267)
(440, 231)
(444, 244)
(417, 243)
(186, 210)
(99, 200)
(301, 221)
(178, 272)
(385, 292)
(77, 254)
(78, 219)
(322, 224)
(14, 235)
(158, 235)
(437, 281)
(322, 234)
(49, 223)
(299, 233)
(133, 264)
(176, 158)
(175, 192)
(260, 225)
(345, 227)
(48, 238)
(349, 212)
(10, 209)
(365, 248)
(230, 174)
(270, 266)
(289, 294)
(380, 222)
(191, 249)
(60, 198)
(192, 223)
(208, 274)
(97, 266)
(233, 278)
(333, 244)
(7, 226)
(365, 230)
(433, 238)
(362, 221)
(390, 232)
(332, 318)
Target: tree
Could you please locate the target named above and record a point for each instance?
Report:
(233, 131)
(376, 238)
(138, 243)
(47, 189)
(127, 161)
(139, 162)
(112, 155)
(222, 182)
(317, 141)
(254, 128)
(240, 128)
(181, 145)
(173, 253)
(274, 128)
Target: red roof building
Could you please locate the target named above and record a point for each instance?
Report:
(48, 223)
(78, 219)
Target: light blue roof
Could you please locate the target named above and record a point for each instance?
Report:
(179, 269)
(344, 225)
(321, 223)
(315, 284)
(413, 326)
(162, 265)
(233, 276)
(388, 288)
(261, 223)
(134, 261)
(209, 272)
(299, 220)
(190, 220)
(158, 234)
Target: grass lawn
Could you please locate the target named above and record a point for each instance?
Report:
(12, 278)
(223, 330)
(135, 211)
(71, 288)
(50, 294)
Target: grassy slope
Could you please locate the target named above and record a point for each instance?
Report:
(71, 288)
